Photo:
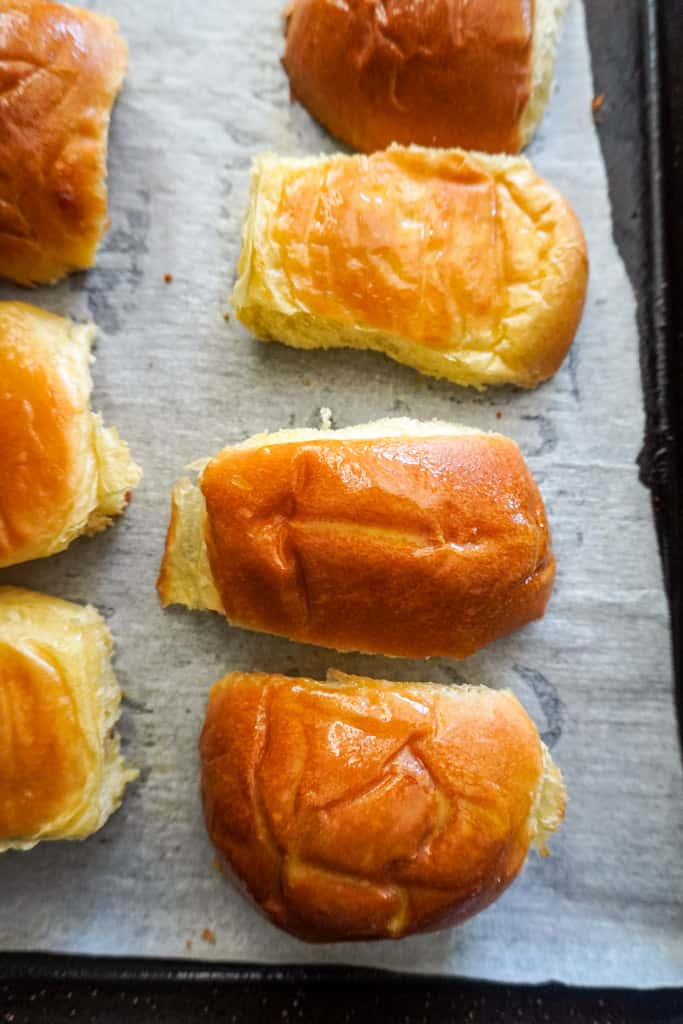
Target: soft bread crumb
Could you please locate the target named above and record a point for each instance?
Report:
(548, 810)
(547, 23)
(325, 418)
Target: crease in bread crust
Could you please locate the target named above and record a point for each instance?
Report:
(539, 241)
(185, 576)
(550, 799)
(74, 641)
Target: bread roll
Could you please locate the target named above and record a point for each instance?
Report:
(365, 809)
(464, 266)
(61, 773)
(60, 71)
(62, 473)
(397, 537)
(436, 72)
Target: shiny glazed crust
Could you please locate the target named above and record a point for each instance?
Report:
(62, 473)
(61, 773)
(366, 809)
(60, 71)
(438, 73)
(461, 265)
(400, 538)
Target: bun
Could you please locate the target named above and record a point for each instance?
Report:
(61, 773)
(60, 71)
(62, 473)
(366, 809)
(398, 537)
(436, 73)
(462, 265)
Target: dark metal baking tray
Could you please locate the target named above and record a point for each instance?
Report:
(637, 49)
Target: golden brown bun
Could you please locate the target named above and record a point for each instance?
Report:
(60, 71)
(436, 73)
(61, 773)
(62, 473)
(366, 809)
(462, 265)
(398, 538)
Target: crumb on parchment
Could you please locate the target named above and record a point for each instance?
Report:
(325, 418)
(209, 936)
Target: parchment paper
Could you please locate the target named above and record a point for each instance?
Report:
(204, 94)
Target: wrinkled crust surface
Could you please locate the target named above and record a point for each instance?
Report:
(62, 473)
(60, 71)
(439, 73)
(61, 772)
(421, 540)
(462, 265)
(364, 809)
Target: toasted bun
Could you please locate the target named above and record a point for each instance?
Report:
(462, 265)
(399, 538)
(365, 809)
(61, 773)
(62, 473)
(436, 73)
(60, 71)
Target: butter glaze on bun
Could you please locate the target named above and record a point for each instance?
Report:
(61, 773)
(61, 68)
(433, 72)
(397, 537)
(366, 809)
(62, 473)
(461, 265)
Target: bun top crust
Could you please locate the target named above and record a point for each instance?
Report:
(60, 71)
(61, 773)
(45, 426)
(364, 809)
(407, 546)
(436, 73)
(44, 761)
(61, 472)
(473, 260)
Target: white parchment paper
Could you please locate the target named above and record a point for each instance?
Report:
(205, 93)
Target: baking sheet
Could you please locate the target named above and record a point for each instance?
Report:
(205, 93)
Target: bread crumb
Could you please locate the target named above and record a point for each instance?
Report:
(209, 936)
(188, 943)
(598, 102)
(325, 418)
(226, 316)
(168, 278)
(499, 414)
